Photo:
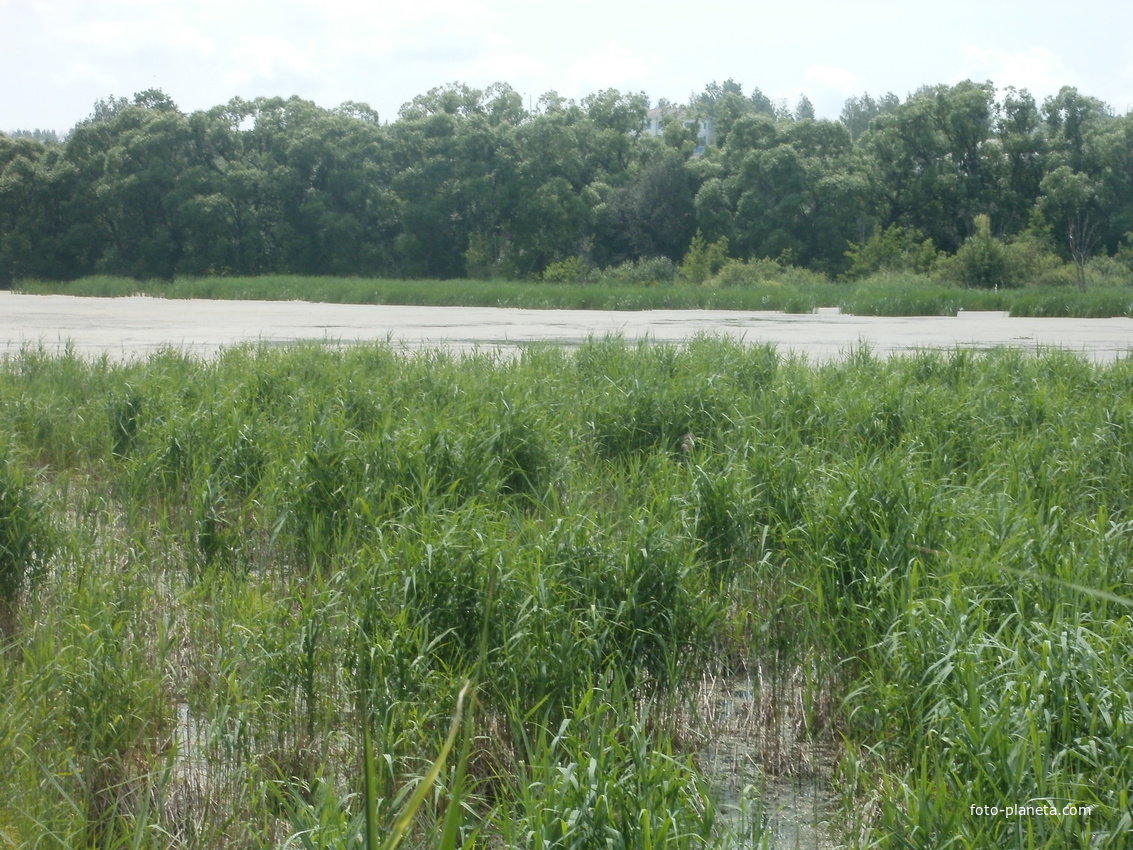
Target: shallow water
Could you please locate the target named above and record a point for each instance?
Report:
(137, 326)
(772, 782)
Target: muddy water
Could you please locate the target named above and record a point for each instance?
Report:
(133, 327)
(773, 781)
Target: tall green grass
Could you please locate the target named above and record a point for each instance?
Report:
(880, 295)
(899, 298)
(250, 594)
(26, 537)
(602, 295)
(919, 296)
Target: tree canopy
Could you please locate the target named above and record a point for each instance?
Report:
(469, 182)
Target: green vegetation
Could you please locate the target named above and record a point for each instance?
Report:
(982, 188)
(756, 285)
(24, 538)
(608, 294)
(346, 597)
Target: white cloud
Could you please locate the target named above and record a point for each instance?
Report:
(615, 66)
(237, 80)
(85, 73)
(189, 37)
(1038, 69)
(507, 67)
(357, 12)
(205, 51)
(442, 33)
(124, 36)
(835, 79)
(266, 55)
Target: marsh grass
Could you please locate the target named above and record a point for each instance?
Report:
(886, 294)
(602, 295)
(249, 593)
(26, 536)
(899, 296)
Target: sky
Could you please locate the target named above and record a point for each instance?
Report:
(57, 57)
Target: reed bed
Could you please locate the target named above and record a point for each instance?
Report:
(596, 295)
(351, 597)
(884, 294)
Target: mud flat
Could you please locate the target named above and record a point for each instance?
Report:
(137, 326)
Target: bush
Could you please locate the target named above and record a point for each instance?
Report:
(647, 270)
(736, 273)
(487, 260)
(1033, 263)
(1106, 271)
(894, 249)
(762, 271)
(703, 259)
(985, 262)
(982, 261)
(570, 270)
(1124, 253)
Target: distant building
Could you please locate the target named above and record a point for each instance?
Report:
(705, 130)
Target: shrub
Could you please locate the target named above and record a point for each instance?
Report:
(985, 261)
(1124, 253)
(982, 260)
(703, 259)
(646, 270)
(1033, 263)
(894, 249)
(766, 272)
(570, 270)
(1106, 271)
(739, 273)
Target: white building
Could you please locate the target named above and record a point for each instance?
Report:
(656, 118)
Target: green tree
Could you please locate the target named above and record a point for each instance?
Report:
(143, 157)
(1069, 205)
(794, 192)
(571, 162)
(28, 210)
(458, 184)
(653, 215)
(762, 103)
(724, 104)
(1115, 189)
(713, 208)
(858, 112)
(929, 161)
(48, 137)
(804, 109)
(1074, 123)
(1022, 148)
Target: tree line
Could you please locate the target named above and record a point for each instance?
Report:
(470, 183)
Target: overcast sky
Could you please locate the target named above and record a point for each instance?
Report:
(58, 56)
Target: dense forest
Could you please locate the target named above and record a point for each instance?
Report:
(471, 183)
